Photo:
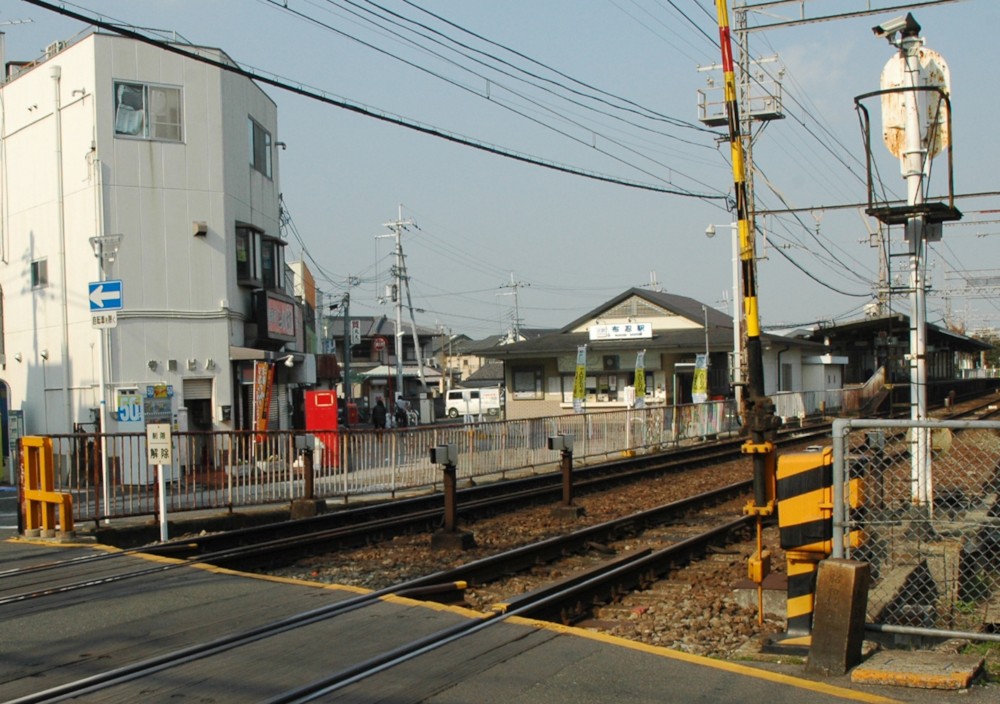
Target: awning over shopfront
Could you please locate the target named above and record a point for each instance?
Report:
(409, 372)
(240, 354)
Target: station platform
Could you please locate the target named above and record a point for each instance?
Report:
(64, 636)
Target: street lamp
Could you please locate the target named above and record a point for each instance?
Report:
(737, 341)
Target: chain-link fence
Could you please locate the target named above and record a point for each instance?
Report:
(930, 518)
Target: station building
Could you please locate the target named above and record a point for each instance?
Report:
(671, 330)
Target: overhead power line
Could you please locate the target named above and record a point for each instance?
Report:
(368, 18)
(299, 89)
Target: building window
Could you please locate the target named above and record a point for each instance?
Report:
(247, 256)
(148, 111)
(39, 273)
(272, 263)
(260, 147)
(528, 383)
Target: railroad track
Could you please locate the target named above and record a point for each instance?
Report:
(286, 541)
(360, 526)
(290, 540)
(565, 600)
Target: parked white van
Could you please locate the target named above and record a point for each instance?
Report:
(472, 402)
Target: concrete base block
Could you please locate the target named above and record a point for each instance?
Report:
(839, 616)
(568, 513)
(786, 645)
(919, 669)
(452, 540)
(307, 508)
(775, 594)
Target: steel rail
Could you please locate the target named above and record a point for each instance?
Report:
(606, 580)
(360, 533)
(414, 588)
(488, 497)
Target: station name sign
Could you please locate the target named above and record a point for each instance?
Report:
(621, 331)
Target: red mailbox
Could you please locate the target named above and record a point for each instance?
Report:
(321, 421)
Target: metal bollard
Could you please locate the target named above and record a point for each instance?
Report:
(449, 537)
(309, 485)
(564, 444)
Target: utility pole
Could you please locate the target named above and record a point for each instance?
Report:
(348, 390)
(514, 286)
(349, 341)
(751, 104)
(397, 227)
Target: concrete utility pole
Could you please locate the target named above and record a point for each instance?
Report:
(398, 226)
(514, 286)
(345, 309)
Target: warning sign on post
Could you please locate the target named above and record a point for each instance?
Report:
(158, 443)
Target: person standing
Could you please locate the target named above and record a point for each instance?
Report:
(379, 414)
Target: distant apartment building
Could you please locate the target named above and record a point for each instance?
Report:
(140, 251)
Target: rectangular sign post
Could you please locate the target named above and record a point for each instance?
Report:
(106, 298)
(158, 453)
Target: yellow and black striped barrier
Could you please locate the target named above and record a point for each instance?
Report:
(805, 522)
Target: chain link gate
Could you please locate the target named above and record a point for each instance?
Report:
(930, 520)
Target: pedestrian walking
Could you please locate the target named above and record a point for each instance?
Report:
(402, 419)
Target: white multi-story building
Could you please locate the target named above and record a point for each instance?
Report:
(124, 162)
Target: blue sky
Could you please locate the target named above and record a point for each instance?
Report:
(482, 219)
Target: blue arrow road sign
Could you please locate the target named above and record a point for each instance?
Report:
(105, 295)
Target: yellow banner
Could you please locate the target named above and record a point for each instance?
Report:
(580, 380)
(640, 375)
(699, 385)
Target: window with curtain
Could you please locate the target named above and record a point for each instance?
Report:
(146, 111)
(528, 383)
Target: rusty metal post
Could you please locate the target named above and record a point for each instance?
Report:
(308, 506)
(566, 458)
(566, 510)
(450, 503)
(309, 488)
(449, 537)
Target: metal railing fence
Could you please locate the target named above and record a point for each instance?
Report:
(930, 519)
(845, 401)
(215, 470)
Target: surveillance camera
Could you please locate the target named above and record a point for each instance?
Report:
(289, 361)
(905, 24)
